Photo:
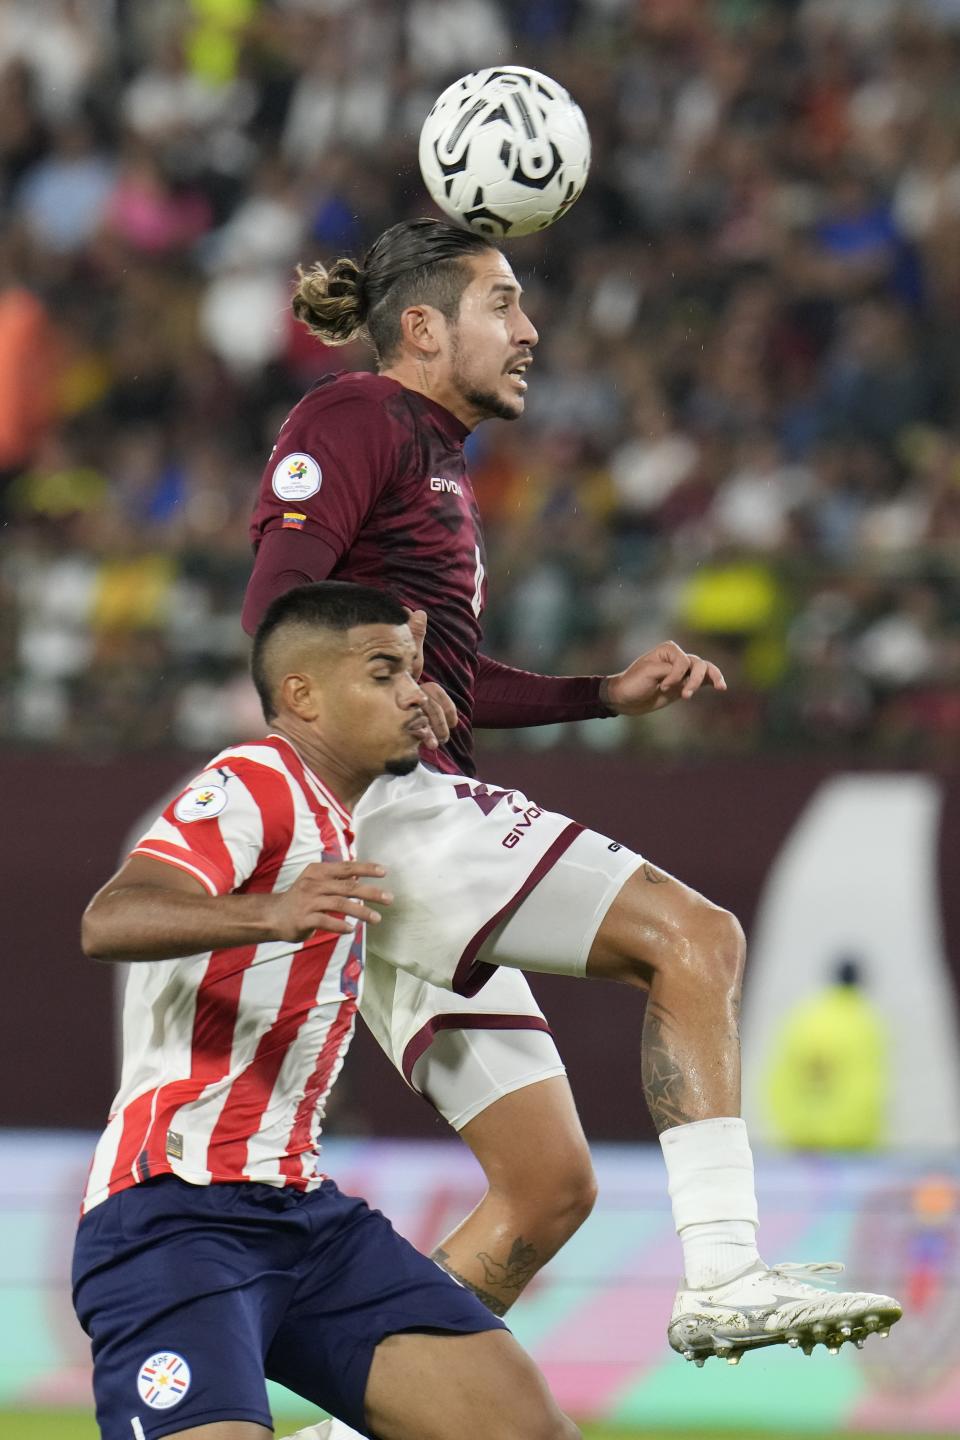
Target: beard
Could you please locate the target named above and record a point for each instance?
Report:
(487, 402)
(493, 406)
(405, 765)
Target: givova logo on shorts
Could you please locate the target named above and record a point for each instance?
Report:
(163, 1380)
(488, 800)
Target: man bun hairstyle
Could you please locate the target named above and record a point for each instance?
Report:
(331, 303)
(326, 605)
(418, 262)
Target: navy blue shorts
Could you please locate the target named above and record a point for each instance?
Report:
(193, 1294)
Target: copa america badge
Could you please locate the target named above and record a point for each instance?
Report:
(163, 1380)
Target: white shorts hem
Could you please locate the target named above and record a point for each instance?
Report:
(477, 1108)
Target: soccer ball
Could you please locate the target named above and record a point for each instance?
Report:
(505, 151)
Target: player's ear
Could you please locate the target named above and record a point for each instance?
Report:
(420, 326)
(298, 693)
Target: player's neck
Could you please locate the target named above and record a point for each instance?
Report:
(345, 784)
(415, 375)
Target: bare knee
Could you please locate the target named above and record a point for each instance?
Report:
(720, 950)
(578, 1195)
(566, 1198)
(536, 1161)
(660, 928)
(551, 1195)
(707, 956)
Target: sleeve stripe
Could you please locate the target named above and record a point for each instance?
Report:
(269, 790)
(211, 878)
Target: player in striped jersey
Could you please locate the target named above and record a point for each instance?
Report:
(212, 1252)
(368, 481)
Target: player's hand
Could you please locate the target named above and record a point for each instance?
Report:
(657, 679)
(439, 709)
(324, 893)
(417, 621)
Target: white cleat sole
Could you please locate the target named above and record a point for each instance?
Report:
(731, 1323)
(698, 1341)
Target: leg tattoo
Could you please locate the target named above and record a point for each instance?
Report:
(510, 1275)
(664, 1082)
(521, 1266)
(492, 1302)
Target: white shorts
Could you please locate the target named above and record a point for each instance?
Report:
(483, 878)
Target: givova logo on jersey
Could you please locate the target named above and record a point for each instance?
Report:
(163, 1380)
(445, 487)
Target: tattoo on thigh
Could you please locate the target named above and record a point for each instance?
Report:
(492, 1302)
(521, 1266)
(655, 876)
(664, 1083)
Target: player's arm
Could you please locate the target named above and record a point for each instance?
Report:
(154, 911)
(284, 559)
(507, 697)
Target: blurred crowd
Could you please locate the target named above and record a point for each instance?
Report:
(743, 425)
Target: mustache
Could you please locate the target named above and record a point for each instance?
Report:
(524, 355)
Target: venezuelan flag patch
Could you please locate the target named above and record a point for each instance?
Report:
(293, 520)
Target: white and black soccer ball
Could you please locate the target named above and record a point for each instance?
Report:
(505, 151)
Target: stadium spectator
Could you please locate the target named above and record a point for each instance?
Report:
(827, 1087)
(752, 357)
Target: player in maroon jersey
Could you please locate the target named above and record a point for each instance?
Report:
(367, 482)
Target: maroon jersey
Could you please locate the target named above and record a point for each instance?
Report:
(372, 476)
(377, 472)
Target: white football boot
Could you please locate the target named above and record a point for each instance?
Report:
(776, 1305)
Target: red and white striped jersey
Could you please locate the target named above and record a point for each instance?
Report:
(228, 1057)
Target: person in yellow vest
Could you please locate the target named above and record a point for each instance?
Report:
(827, 1087)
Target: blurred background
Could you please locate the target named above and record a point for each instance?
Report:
(742, 431)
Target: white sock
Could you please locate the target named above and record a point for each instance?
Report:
(710, 1180)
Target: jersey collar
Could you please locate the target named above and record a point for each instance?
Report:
(453, 429)
(276, 739)
(447, 423)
